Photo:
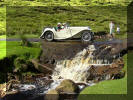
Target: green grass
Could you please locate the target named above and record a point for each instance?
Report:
(121, 36)
(15, 48)
(2, 49)
(118, 86)
(64, 2)
(18, 36)
(26, 35)
(108, 87)
(2, 36)
(2, 20)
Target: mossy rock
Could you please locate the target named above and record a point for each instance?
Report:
(67, 86)
(20, 64)
(42, 69)
(52, 95)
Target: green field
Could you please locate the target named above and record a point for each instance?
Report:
(31, 20)
(19, 36)
(2, 49)
(2, 20)
(64, 2)
(15, 48)
(2, 36)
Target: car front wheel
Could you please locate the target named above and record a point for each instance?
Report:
(86, 37)
(49, 36)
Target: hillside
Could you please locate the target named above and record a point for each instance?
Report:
(65, 2)
(31, 20)
(2, 20)
(94, 12)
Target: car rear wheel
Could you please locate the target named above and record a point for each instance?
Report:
(86, 37)
(49, 36)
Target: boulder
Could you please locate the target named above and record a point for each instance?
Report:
(52, 95)
(103, 72)
(2, 90)
(20, 65)
(44, 68)
(67, 86)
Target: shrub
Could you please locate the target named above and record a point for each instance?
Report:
(20, 65)
(25, 41)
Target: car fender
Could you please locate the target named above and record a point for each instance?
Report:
(47, 29)
(79, 34)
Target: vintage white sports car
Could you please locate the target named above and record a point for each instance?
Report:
(67, 32)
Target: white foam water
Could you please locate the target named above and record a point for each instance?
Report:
(76, 69)
(26, 87)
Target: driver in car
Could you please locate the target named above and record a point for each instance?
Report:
(59, 26)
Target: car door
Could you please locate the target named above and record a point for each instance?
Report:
(63, 33)
(74, 30)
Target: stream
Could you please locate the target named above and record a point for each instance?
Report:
(96, 56)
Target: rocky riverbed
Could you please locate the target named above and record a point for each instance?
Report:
(67, 69)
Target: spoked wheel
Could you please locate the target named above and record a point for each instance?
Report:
(49, 36)
(86, 37)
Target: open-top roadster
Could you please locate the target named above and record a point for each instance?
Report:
(66, 32)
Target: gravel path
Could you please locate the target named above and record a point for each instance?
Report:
(112, 41)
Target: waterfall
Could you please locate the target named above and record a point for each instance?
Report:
(87, 66)
(76, 69)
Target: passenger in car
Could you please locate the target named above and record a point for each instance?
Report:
(64, 25)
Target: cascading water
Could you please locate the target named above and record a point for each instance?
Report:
(77, 69)
(85, 65)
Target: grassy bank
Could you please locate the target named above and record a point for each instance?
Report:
(118, 86)
(18, 36)
(15, 48)
(2, 49)
(15, 57)
(26, 35)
